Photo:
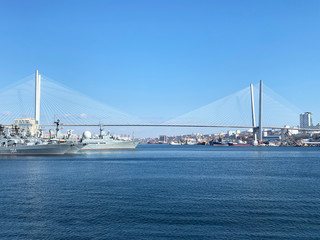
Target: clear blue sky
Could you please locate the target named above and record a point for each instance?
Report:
(159, 58)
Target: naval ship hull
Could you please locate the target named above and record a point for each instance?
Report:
(75, 148)
(46, 149)
(112, 145)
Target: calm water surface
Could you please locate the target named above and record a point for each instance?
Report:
(163, 192)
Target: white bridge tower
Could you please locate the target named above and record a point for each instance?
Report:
(37, 97)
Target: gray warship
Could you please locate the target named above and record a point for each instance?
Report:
(104, 142)
(13, 142)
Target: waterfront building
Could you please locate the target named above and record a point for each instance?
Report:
(306, 120)
(27, 125)
(222, 134)
(230, 133)
(163, 139)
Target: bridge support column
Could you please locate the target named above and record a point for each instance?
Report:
(37, 97)
(254, 128)
(260, 114)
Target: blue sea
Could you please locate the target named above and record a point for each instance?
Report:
(163, 192)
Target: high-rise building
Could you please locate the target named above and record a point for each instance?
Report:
(306, 120)
(163, 139)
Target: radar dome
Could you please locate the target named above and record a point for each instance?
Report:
(87, 134)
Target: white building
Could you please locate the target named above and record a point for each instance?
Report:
(27, 125)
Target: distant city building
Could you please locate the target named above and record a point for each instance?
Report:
(124, 137)
(306, 120)
(264, 133)
(230, 133)
(163, 139)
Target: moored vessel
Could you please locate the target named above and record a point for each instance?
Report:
(14, 143)
(104, 142)
(233, 144)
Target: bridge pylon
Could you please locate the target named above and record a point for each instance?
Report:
(256, 130)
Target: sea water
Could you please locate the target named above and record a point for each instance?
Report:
(163, 192)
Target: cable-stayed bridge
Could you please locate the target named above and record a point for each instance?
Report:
(75, 109)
